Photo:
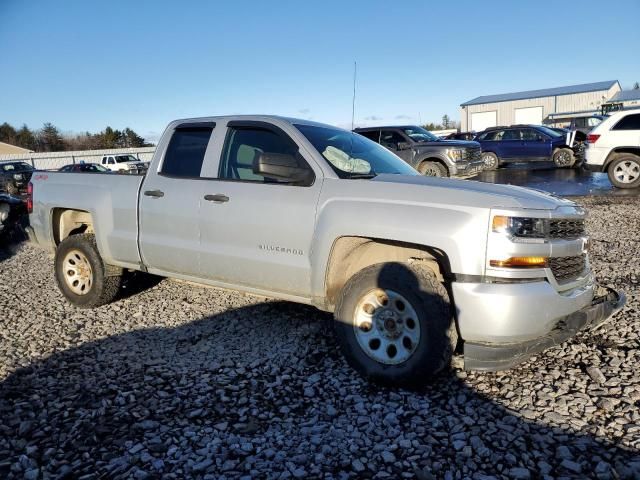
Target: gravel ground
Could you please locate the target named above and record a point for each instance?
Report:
(179, 381)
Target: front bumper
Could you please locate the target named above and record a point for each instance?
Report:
(468, 169)
(493, 356)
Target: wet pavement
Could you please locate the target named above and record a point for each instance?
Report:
(564, 182)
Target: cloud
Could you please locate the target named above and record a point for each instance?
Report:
(372, 118)
(304, 110)
(403, 117)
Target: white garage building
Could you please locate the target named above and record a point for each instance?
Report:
(535, 106)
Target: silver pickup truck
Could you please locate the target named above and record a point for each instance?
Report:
(414, 268)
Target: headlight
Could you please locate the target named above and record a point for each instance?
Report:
(520, 226)
(455, 154)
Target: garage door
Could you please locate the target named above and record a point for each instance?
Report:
(482, 120)
(531, 115)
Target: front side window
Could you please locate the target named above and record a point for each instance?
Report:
(185, 153)
(630, 122)
(243, 147)
(351, 155)
(492, 136)
(391, 139)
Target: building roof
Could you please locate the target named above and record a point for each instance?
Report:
(625, 95)
(6, 148)
(545, 92)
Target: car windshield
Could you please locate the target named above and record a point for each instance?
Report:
(419, 134)
(352, 155)
(551, 133)
(125, 158)
(16, 167)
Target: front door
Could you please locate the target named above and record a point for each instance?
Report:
(537, 144)
(392, 140)
(257, 231)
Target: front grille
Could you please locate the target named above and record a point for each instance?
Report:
(566, 229)
(566, 269)
(472, 154)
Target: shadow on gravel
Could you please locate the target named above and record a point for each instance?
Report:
(9, 244)
(143, 401)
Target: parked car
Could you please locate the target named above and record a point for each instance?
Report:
(427, 153)
(580, 123)
(315, 214)
(519, 143)
(124, 163)
(12, 211)
(614, 147)
(461, 136)
(84, 167)
(14, 176)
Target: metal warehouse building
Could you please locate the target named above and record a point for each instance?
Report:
(535, 106)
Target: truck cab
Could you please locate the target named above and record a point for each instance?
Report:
(125, 163)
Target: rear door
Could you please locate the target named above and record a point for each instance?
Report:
(512, 145)
(170, 203)
(625, 132)
(257, 231)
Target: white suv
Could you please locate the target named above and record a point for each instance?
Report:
(614, 147)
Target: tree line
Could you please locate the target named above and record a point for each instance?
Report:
(447, 123)
(49, 139)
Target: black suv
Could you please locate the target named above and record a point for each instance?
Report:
(14, 176)
(427, 153)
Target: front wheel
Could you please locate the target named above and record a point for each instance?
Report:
(490, 161)
(394, 324)
(432, 169)
(624, 171)
(81, 275)
(564, 158)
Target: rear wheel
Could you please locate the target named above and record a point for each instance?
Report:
(490, 161)
(82, 276)
(564, 158)
(432, 169)
(624, 170)
(394, 324)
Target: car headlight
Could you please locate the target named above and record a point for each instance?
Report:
(521, 227)
(455, 154)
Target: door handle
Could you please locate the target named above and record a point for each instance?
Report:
(154, 193)
(218, 198)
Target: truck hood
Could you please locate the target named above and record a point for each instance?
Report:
(472, 193)
(449, 143)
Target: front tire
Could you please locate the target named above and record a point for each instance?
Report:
(564, 158)
(394, 324)
(82, 276)
(624, 170)
(432, 169)
(490, 160)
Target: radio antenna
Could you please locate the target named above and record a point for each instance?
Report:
(353, 102)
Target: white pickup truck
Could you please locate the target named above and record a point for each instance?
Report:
(125, 163)
(413, 267)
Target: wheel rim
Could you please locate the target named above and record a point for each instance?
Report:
(77, 272)
(489, 160)
(563, 159)
(431, 171)
(626, 172)
(386, 326)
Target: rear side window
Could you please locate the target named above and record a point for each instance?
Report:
(186, 150)
(630, 122)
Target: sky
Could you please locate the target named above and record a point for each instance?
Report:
(83, 65)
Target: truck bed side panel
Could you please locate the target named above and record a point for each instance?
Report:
(112, 201)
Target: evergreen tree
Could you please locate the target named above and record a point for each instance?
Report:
(49, 139)
(131, 139)
(7, 134)
(445, 121)
(26, 139)
(636, 86)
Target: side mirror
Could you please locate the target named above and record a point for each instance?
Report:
(404, 145)
(285, 167)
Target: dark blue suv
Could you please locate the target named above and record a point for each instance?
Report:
(523, 143)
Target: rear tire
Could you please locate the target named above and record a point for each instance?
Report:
(377, 331)
(564, 158)
(432, 169)
(624, 170)
(490, 161)
(82, 276)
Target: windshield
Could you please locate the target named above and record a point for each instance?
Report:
(16, 167)
(419, 134)
(125, 158)
(352, 155)
(551, 133)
